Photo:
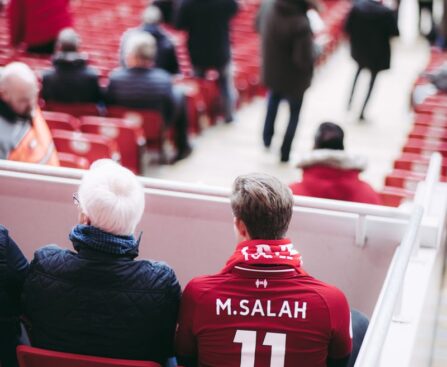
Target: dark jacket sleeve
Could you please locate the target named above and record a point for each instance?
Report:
(233, 8)
(183, 18)
(173, 295)
(13, 263)
(109, 93)
(392, 24)
(95, 89)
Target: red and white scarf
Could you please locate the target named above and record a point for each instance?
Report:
(265, 252)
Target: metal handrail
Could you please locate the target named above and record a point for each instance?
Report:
(376, 335)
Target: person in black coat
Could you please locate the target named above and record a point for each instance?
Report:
(166, 58)
(71, 80)
(208, 25)
(370, 26)
(97, 299)
(13, 270)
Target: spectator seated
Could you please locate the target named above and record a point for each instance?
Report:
(70, 80)
(330, 173)
(142, 86)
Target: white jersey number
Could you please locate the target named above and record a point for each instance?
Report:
(248, 340)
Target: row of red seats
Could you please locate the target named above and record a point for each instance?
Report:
(123, 136)
(428, 135)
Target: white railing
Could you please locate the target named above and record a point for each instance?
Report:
(376, 335)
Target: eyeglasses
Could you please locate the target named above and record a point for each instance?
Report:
(76, 200)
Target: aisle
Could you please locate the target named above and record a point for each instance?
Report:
(223, 152)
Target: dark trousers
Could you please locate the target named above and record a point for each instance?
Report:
(370, 89)
(9, 339)
(226, 88)
(180, 121)
(274, 100)
(359, 327)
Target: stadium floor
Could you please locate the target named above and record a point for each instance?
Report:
(225, 151)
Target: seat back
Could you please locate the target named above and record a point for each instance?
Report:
(128, 137)
(72, 161)
(74, 109)
(36, 357)
(60, 121)
(89, 146)
(151, 121)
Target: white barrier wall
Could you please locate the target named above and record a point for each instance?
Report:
(194, 233)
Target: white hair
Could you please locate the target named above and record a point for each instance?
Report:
(152, 15)
(17, 72)
(141, 45)
(68, 39)
(111, 197)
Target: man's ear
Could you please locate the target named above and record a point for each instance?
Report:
(83, 219)
(241, 229)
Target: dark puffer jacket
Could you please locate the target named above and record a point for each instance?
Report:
(13, 270)
(95, 303)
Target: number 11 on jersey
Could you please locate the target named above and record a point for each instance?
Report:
(248, 340)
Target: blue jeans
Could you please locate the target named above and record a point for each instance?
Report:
(274, 100)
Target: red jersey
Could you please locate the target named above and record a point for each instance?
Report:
(265, 317)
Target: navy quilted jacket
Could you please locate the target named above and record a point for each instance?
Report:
(96, 303)
(13, 270)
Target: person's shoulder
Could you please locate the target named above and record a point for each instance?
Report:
(118, 74)
(157, 273)
(48, 254)
(161, 74)
(330, 293)
(203, 285)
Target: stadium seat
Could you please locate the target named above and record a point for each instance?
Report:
(404, 179)
(60, 121)
(36, 357)
(394, 196)
(416, 163)
(89, 146)
(74, 109)
(129, 139)
(151, 121)
(72, 161)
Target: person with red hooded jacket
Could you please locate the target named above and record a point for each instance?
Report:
(331, 173)
(37, 23)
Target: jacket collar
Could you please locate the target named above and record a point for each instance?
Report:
(333, 158)
(70, 59)
(7, 112)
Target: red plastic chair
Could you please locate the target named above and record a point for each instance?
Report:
(60, 121)
(416, 163)
(151, 121)
(129, 139)
(404, 179)
(73, 161)
(394, 196)
(36, 357)
(89, 146)
(74, 109)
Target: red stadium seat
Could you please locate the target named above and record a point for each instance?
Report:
(72, 161)
(35, 357)
(60, 121)
(89, 146)
(129, 139)
(416, 163)
(151, 121)
(74, 109)
(404, 179)
(393, 196)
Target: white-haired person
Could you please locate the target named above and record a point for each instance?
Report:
(141, 85)
(166, 58)
(97, 299)
(24, 134)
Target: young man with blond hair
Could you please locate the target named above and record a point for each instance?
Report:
(262, 308)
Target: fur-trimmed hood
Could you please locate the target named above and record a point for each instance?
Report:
(333, 158)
